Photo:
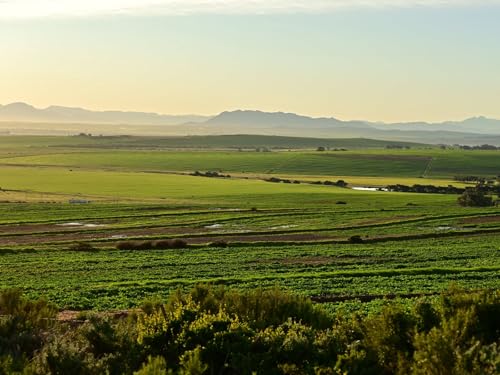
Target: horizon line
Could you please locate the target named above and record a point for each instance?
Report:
(210, 116)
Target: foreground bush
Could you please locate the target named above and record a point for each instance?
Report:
(23, 328)
(216, 331)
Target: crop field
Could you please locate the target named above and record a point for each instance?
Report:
(327, 242)
(137, 154)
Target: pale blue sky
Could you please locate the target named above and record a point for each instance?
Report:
(378, 62)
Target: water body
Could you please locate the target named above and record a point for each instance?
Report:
(367, 188)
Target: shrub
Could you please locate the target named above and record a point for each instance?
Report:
(150, 304)
(179, 244)
(355, 239)
(341, 202)
(341, 183)
(82, 246)
(154, 366)
(125, 245)
(274, 179)
(144, 245)
(474, 198)
(218, 331)
(135, 245)
(261, 307)
(23, 327)
(220, 243)
(162, 244)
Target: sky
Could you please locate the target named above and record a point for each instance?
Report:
(377, 60)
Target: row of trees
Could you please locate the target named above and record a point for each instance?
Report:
(322, 148)
(339, 183)
(212, 174)
(431, 189)
(478, 179)
(478, 196)
(480, 147)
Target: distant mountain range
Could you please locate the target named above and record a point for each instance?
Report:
(24, 118)
(258, 119)
(22, 112)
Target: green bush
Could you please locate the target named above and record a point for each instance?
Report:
(135, 245)
(217, 331)
(23, 327)
(356, 239)
(82, 246)
(179, 244)
(474, 198)
(162, 244)
(154, 366)
(220, 243)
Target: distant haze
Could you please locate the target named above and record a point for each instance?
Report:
(22, 118)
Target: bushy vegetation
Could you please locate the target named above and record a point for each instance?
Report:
(82, 246)
(477, 179)
(212, 174)
(339, 183)
(216, 331)
(475, 198)
(149, 245)
(430, 189)
(480, 147)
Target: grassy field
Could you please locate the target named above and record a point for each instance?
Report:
(138, 154)
(297, 236)
(197, 142)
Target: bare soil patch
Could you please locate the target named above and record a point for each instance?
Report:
(262, 238)
(481, 220)
(382, 220)
(124, 234)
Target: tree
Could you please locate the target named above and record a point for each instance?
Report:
(341, 183)
(474, 198)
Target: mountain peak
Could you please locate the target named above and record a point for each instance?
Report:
(19, 105)
(22, 112)
(259, 119)
(478, 118)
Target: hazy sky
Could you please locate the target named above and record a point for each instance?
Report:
(387, 60)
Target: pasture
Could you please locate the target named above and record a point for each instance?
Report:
(241, 232)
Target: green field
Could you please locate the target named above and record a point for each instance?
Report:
(197, 142)
(138, 154)
(296, 236)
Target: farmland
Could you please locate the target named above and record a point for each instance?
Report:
(242, 231)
